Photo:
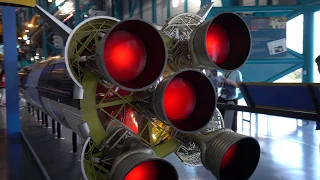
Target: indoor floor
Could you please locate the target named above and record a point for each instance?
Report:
(289, 150)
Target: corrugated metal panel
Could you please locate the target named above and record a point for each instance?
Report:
(57, 109)
(46, 105)
(73, 117)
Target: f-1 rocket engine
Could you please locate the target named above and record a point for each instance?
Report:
(112, 80)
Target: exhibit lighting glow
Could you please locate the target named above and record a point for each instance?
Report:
(58, 2)
(28, 41)
(25, 37)
(32, 59)
(36, 57)
(229, 156)
(49, 1)
(30, 25)
(294, 34)
(37, 54)
(217, 44)
(175, 3)
(19, 38)
(26, 30)
(66, 8)
(154, 137)
(125, 55)
(197, 2)
(130, 121)
(146, 170)
(179, 100)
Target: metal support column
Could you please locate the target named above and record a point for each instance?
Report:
(77, 16)
(132, 9)
(11, 67)
(141, 9)
(32, 111)
(129, 5)
(117, 9)
(38, 115)
(185, 6)
(74, 142)
(168, 8)
(308, 45)
(154, 11)
(59, 128)
(44, 36)
(12, 94)
(53, 124)
(43, 118)
(46, 121)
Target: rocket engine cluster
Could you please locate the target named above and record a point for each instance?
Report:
(137, 94)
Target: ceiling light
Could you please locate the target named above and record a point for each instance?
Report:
(175, 3)
(58, 2)
(25, 37)
(67, 8)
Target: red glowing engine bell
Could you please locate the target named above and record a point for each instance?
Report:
(217, 43)
(229, 156)
(130, 120)
(179, 100)
(125, 56)
(144, 171)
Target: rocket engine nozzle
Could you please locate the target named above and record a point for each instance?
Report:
(185, 100)
(140, 163)
(132, 55)
(223, 42)
(229, 155)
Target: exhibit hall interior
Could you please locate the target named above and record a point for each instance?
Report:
(159, 89)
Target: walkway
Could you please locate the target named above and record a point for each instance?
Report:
(16, 161)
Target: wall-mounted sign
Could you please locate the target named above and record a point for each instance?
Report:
(29, 3)
(268, 36)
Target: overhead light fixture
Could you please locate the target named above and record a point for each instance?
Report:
(30, 25)
(198, 2)
(19, 38)
(37, 54)
(32, 59)
(175, 3)
(26, 30)
(36, 57)
(50, 1)
(28, 41)
(58, 2)
(25, 37)
(67, 8)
